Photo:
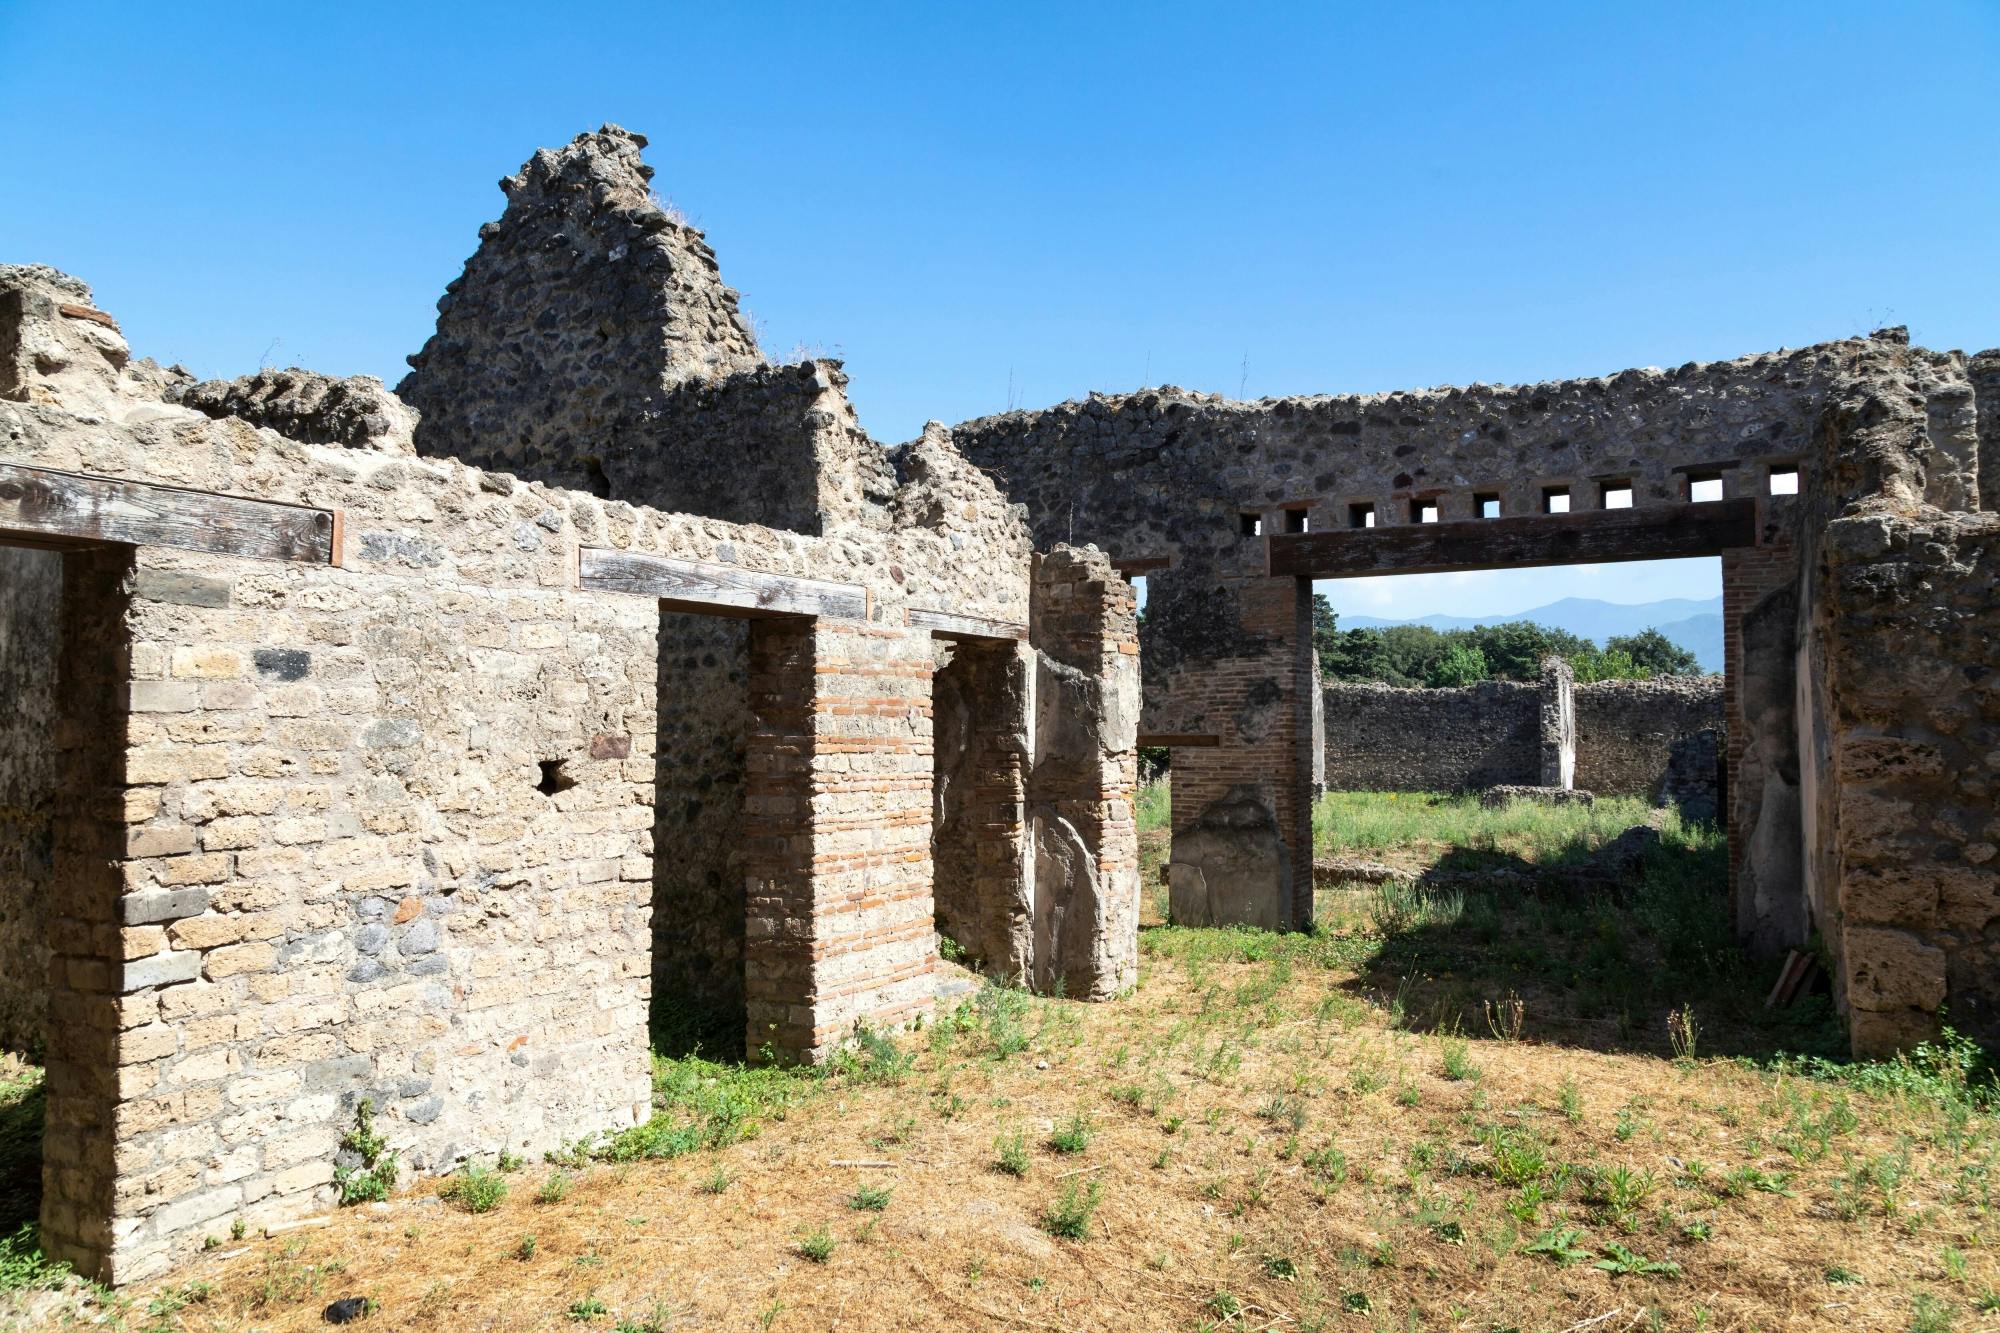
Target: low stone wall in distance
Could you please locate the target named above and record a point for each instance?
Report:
(1384, 738)
(1628, 732)
(1630, 735)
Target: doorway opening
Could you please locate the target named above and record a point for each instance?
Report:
(700, 878)
(64, 646)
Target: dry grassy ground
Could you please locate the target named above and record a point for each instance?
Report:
(1339, 1130)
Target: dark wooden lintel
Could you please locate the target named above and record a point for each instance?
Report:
(1181, 740)
(47, 507)
(722, 590)
(1142, 564)
(1599, 536)
(950, 625)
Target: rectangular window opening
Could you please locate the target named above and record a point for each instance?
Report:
(1253, 525)
(1555, 500)
(1704, 488)
(1295, 520)
(1361, 515)
(1487, 505)
(1617, 495)
(1423, 511)
(1784, 478)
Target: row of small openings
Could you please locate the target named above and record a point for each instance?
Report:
(1703, 487)
(1296, 520)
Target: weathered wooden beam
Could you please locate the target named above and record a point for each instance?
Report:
(1144, 564)
(1177, 740)
(1654, 532)
(951, 625)
(67, 508)
(722, 590)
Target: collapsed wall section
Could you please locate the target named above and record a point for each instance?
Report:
(585, 304)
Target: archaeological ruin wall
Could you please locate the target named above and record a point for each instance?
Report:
(1631, 733)
(1628, 735)
(1382, 738)
(362, 751)
(1231, 508)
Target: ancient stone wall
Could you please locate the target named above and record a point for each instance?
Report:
(1168, 472)
(1899, 715)
(388, 831)
(1626, 735)
(30, 658)
(586, 303)
(1085, 840)
(1381, 738)
(1627, 730)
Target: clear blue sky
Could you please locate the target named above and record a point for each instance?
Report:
(978, 204)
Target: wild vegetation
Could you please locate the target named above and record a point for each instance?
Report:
(1542, 1099)
(1418, 655)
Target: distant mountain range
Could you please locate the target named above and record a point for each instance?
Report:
(1693, 623)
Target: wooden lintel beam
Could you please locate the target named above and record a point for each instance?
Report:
(47, 507)
(1652, 532)
(950, 625)
(721, 590)
(1142, 564)
(1175, 740)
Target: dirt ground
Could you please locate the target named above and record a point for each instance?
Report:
(1372, 1126)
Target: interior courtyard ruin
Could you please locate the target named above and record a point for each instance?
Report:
(413, 746)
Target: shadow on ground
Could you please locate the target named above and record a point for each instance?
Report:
(1598, 944)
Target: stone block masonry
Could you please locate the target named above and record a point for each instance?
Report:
(396, 826)
(387, 824)
(1201, 491)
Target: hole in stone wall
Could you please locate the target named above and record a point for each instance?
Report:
(1423, 511)
(1361, 515)
(1617, 495)
(1252, 525)
(1487, 505)
(1784, 479)
(1295, 520)
(1555, 500)
(1704, 488)
(555, 777)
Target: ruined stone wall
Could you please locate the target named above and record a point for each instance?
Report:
(586, 303)
(30, 661)
(1899, 715)
(337, 872)
(1082, 822)
(1627, 730)
(1381, 738)
(1168, 472)
(591, 344)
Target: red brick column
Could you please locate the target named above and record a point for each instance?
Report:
(838, 823)
(1260, 707)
